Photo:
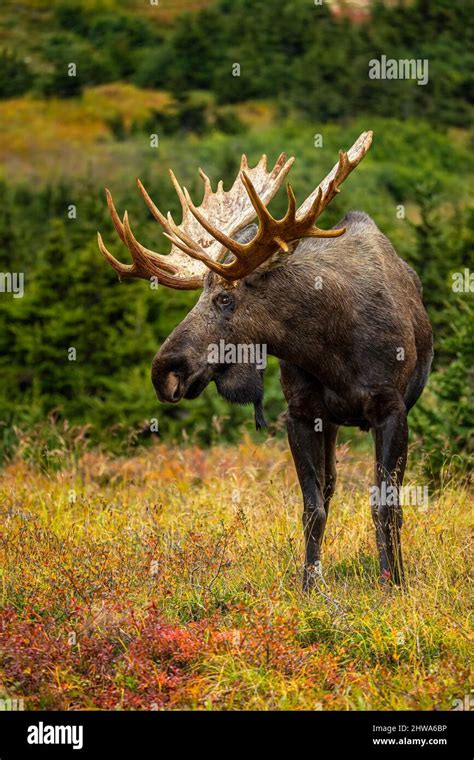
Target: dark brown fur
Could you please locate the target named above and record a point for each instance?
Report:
(339, 340)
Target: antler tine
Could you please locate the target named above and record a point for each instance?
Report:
(312, 214)
(184, 242)
(121, 269)
(282, 167)
(279, 163)
(179, 238)
(131, 270)
(140, 254)
(166, 265)
(115, 217)
(290, 214)
(207, 185)
(153, 208)
(316, 205)
(179, 193)
(181, 235)
(146, 263)
(262, 211)
(347, 161)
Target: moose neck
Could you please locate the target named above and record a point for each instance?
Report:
(307, 321)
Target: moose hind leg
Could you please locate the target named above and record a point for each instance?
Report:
(391, 441)
(307, 448)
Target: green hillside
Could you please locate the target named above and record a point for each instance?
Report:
(146, 70)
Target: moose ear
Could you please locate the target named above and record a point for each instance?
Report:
(246, 234)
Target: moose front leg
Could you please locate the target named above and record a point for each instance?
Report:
(307, 448)
(391, 442)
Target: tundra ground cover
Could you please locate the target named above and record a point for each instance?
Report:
(172, 580)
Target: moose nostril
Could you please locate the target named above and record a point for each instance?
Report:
(173, 382)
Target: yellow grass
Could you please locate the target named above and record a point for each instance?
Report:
(213, 539)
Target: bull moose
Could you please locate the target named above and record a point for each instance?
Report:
(338, 308)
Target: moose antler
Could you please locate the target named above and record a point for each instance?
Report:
(231, 210)
(273, 234)
(205, 233)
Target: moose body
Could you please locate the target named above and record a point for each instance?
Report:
(344, 315)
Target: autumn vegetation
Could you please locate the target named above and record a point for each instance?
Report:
(171, 579)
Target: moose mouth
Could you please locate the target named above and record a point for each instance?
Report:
(196, 386)
(229, 382)
(238, 384)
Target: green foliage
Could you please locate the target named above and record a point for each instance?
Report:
(71, 335)
(443, 247)
(280, 43)
(276, 44)
(81, 344)
(443, 421)
(64, 50)
(122, 35)
(194, 112)
(15, 75)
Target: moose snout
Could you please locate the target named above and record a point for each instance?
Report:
(175, 377)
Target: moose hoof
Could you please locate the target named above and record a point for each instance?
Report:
(313, 575)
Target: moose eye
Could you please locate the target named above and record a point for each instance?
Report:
(224, 299)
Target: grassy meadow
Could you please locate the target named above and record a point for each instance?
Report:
(171, 579)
